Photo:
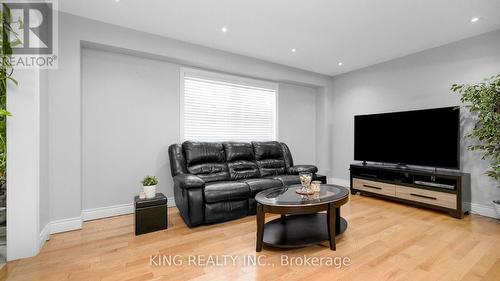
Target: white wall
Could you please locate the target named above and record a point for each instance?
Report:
(23, 165)
(65, 116)
(130, 114)
(417, 81)
(44, 159)
(297, 121)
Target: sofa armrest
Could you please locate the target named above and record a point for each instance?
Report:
(297, 169)
(188, 181)
(188, 192)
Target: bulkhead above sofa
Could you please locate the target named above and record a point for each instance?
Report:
(215, 182)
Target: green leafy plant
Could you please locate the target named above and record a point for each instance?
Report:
(8, 39)
(149, 181)
(483, 101)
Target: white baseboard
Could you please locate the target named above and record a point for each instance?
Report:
(94, 214)
(171, 202)
(106, 212)
(484, 210)
(338, 181)
(116, 210)
(65, 225)
(44, 235)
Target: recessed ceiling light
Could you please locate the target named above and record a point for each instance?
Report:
(294, 50)
(223, 29)
(117, 1)
(340, 63)
(474, 19)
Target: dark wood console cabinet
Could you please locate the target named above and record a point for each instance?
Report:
(442, 190)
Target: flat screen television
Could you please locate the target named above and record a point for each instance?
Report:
(429, 137)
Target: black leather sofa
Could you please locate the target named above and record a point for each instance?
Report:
(215, 182)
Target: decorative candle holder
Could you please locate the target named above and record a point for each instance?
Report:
(316, 186)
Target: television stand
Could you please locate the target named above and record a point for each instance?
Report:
(443, 190)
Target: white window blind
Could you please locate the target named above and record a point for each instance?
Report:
(226, 108)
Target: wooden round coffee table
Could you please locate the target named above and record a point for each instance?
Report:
(300, 224)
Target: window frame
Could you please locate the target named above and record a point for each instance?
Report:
(229, 78)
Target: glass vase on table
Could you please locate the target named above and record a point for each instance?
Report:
(305, 181)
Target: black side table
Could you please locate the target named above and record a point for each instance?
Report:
(150, 214)
(320, 178)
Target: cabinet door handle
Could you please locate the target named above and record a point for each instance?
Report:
(423, 196)
(371, 186)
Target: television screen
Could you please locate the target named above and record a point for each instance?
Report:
(429, 137)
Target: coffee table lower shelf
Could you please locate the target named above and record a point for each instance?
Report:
(299, 230)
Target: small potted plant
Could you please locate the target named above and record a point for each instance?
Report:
(149, 186)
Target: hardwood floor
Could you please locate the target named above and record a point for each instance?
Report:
(384, 241)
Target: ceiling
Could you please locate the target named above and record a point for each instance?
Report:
(357, 33)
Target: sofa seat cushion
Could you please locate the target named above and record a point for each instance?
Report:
(286, 179)
(226, 190)
(259, 184)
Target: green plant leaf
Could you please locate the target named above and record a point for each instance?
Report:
(16, 42)
(7, 34)
(13, 80)
(4, 112)
(483, 101)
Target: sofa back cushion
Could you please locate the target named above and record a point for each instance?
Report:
(269, 158)
(206, 160)
(241, 160)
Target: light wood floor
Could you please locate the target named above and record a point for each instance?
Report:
(384, 240)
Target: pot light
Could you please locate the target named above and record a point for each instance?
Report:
(340, 63)
(294, 50)
(223, 29)
(117, 1)
(474, 19)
